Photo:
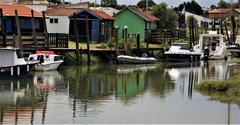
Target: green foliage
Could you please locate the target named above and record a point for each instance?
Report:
(224, 91)
(93, 5)
(181, 41)
(192, 7)
(168, 17)
(109, 3)
(142, 3)
(189, 22)
(223, 4)
(55, 1)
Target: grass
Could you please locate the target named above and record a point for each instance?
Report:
(225, 91)
(95, 46)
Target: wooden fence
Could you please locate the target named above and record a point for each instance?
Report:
(57, 40)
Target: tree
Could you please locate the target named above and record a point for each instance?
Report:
(168, 17)
(223, 4)
(109, 3)
(192, 7)
(213, 7)
(142, 3)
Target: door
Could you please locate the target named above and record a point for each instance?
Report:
(95, 30)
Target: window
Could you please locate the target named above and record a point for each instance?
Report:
(56, 20)
(53, 20)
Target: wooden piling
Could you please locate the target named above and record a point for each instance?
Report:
(192, 30)
(76, 38)
(18, 41)
(138, 44)
(34, 30)
(45, 30)
(88, 42)
(116, 39)
(233, 28)
(227, 32)
(221, 27)
(126, 38)
(3, 28)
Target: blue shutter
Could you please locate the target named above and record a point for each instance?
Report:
(95, 30)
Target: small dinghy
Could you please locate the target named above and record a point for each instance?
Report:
(135, 59)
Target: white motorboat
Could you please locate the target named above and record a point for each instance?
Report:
(135, 59)
(12, 64)
(212, 46)
(181, 52)
(47, 60)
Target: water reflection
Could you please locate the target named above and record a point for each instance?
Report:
(78, 94)
(194, 73)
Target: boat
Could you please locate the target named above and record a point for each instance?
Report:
(235, 49)
(180, 52)
(212, 46)
(12, 64)
(135, 60)
(47, 60)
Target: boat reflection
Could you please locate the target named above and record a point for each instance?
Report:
(46, 80)
(18, 101)
(194, 73)
(135, 68)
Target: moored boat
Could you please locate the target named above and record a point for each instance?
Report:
(12, 64)
(212, 46)
(47, 60)
(180, 52)
(135, 59)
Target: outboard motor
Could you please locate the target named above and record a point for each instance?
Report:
(206, 53)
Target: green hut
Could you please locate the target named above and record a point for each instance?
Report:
(136, 21)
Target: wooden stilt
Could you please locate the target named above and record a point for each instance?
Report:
(116, 39)
(88, 41)
(76, 38)
(34, 30)
(3, 28)
(18, 41)
(45, 31)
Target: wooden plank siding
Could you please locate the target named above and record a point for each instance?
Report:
(56, 41)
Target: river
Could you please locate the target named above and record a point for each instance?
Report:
(124, 94)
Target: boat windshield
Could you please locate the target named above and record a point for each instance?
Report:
(182, 46)
(19, 55)
(210, 41)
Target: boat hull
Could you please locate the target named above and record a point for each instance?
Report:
(182, 57)
(16, 71)
(135, 60)
(48, 66)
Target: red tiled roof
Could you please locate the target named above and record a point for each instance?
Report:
(70, 11)
(102, 15)
(62, 11)
(219, 10)
(23, 10)
(144, 15)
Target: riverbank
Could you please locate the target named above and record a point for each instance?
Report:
(227, 91)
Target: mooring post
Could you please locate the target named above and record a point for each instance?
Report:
(88, 42)
(3, 28)
(192, 30)
(45, 30)
(19, 39)
(138, 44)
(126, 38)
(76, 38)
(227, 32)
(34, 30)
(116, 39)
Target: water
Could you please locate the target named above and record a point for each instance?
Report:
(159, 93)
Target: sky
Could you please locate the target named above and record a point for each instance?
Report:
(174, 3)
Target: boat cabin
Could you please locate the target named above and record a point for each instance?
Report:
(211, 41)
(10, 56)
(45, 56)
